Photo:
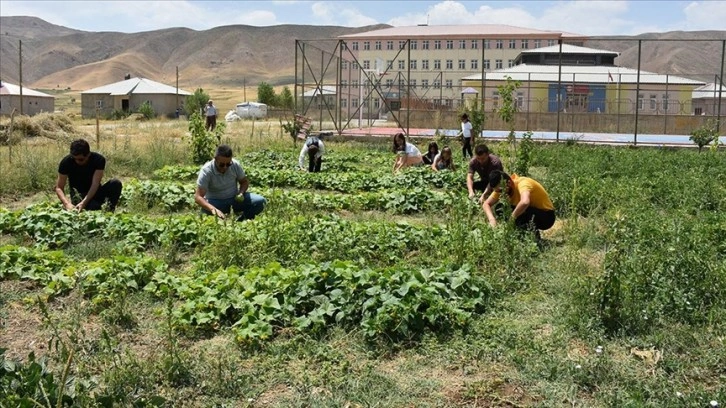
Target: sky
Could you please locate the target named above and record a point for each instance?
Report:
(594, 18)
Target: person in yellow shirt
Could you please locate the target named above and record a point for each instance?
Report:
(533, 209)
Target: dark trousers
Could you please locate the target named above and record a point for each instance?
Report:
(467, 148)
(314, 165)
(211, 123)
(109, 192)
(536, 219)
(480, 185)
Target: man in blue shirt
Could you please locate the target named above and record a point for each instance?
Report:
(217, 188)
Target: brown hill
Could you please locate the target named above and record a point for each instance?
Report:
(59, 57)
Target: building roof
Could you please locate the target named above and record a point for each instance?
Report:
(12, 89)
(708, 91)
(581, 74)
(135, 86)
(463, 31)
(568, 49)
(327, 90)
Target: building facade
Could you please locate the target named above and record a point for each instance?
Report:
(129, 95)
(32, 103)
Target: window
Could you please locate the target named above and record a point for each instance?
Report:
(401, 64)
(425, 45)
(389, 64)
(437, 84)
(537, 43)
(698, 111)
(495, 99)
(462, 64)
(437, 44)
(449, 44)
(487, 44)
(401, 44)
(354, 103)
(498, 64)
(378, 45)
(500, 44)
(525, 44)
(462, 44)
(367, 45)
(437, 64)
(366, 64)
(474, 44)
(486, 64)
(389, 45)
(551, 43)
(376, 103)
(449, 64)
(401, 83)
(665, 102)
(99, 104)
(449, 83)
(512, 44)
(414, 44)
(424, 64)
(389, 83)
(425, 83)
(355, 65)
(344, 65)
(520, 100)
(413, 84)
(510, 63)
(474, 64)
(653, 102)
(355, 45)
(448, 103)
(640, 101)
(413, 64)
(355, 83)
(343, 83)
(343, 103)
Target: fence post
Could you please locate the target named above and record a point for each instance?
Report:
(637, 96)
(720, 87)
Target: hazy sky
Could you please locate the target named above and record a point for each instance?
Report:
(582, 17)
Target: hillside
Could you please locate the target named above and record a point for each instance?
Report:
(59, 57)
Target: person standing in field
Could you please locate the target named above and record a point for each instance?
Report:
(444, 160)
(222, 186)
(210, 111)
(407, 154)
(483, 164)
(466, 136)
(533, 209)
(314, 149)
(83, 170)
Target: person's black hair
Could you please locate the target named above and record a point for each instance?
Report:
(223, 151)
(464, 116)
(80, 147)
(399, 138)
(481, 149)
(433, 144)
(496, 176)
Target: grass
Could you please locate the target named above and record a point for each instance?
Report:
(535, 344)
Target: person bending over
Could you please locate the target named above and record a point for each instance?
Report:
(406, 153)
(314, 149)
(483, 163)
(222, 186)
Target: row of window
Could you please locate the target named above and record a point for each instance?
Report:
(653, 102)
(449, 64)
(449, 83)
(449, 44)
(377, 103)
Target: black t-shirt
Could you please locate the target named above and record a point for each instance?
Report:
(484, 169)
(80, 177)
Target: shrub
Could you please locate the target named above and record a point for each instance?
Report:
(705, 134)
(146, 110)
(202, 142)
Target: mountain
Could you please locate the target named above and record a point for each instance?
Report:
(60, 57)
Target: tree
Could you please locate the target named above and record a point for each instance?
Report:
(705, 134)
(266, 95)
(146, 110)
(285, 98)
(196, 101)
(506, 111)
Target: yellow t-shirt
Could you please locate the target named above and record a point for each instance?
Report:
(538, 197)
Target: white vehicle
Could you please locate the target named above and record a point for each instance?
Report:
(252, 110)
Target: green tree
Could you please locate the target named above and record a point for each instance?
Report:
(266, 94)
(506, 111)
(146, 110)
(202, 143)
(285, 99)
(705, 134)
(195, 102)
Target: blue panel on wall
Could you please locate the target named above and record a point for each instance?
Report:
(596, 101)
(552, 97)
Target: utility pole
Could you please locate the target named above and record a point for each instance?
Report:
(177, 92)
(20, 73)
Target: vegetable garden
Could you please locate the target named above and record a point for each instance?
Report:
(358, 287)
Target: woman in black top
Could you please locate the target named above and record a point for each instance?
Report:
(429, 157)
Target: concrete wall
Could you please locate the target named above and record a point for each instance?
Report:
(32, 105)
(163, 104)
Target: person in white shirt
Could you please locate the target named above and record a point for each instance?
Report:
(444, 160)
(466, 134)
(210, 111)
(407, 154)
(314, 149)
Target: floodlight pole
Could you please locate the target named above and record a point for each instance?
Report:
(559, 90)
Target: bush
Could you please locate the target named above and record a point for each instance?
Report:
(202, 142)
(705, 134)
(146, 110)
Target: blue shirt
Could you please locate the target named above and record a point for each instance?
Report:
(218, 185)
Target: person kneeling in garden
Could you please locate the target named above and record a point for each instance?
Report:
(314, 149)
(83, 170)
(533, 209)
(217, 192)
